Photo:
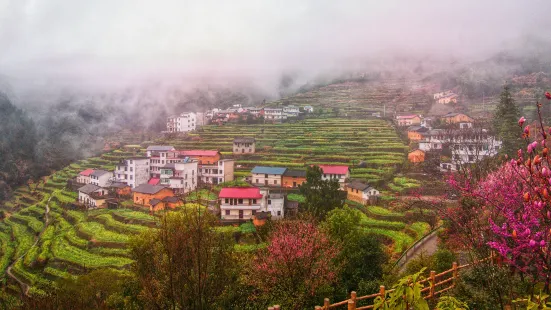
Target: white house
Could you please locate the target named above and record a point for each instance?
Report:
(244, 145)
(273, 203)
(84, 176)
(132, 171)
(101, 178)
(239, 203)
(290, 111)
(442, 94)
(180, 176)
(160, 155)
(182, 123)
(218, 172)
(267, 176)
(308, 109)
(274, 114)
(341, 173)
(92, 195)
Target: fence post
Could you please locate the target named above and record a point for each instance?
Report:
(432, 282)
(353, 296)
(351, 304)
(454, 273)
(326, 304)
(317, 308)
(270, 308)
(277, 307)
(382, 292)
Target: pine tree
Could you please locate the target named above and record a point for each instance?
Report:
(505, 123)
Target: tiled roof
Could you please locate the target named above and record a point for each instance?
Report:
(199, 153)
(240, 192)
(89, 188)
(99, 173)
(243, 140)
(358, 185)
(148, 189)
(295, 173)
(153, 202)
(86, 172)
(406, 116)
(268, 170)
(327, 169)
(171, 199)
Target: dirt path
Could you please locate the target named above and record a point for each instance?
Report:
(24, 286)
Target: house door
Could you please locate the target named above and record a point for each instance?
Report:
(294, 184)
(240, 214)
(265, 182)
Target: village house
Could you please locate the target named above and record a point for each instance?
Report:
(291, 111)
(442, 94)
(308, 109)
(447, 99)
(273, 203)
(239, 203)
(160, 155)
(205, 157)
(361, 192)
(274, 114)
(408, 120)
(330, 172)
(169, 202)
(92, 196)
(101, 178)
(293, 178)
(267, 176)
(182, 123)
(255, 111)
(456, 118)
(244, 145)
(181, 176)
(448, 167)
(84, 176)
(120, 189)
(132, 171)
(216, 173)
(143, 194)
(416, 133)
(416, 156)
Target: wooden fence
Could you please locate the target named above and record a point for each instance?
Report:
(434, 285)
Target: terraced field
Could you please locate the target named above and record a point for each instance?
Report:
(75, 241)
(312, 141)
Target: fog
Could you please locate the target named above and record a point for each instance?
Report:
(104, 43)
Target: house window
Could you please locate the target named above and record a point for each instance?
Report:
(227, 211)
(269, 202)
(257, 181)
(266, 176)
(275, 181)
(471, 158)
(254, 212)
(240, 201)
(254, 201)
(279, 213)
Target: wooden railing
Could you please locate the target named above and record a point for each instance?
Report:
(434, 285)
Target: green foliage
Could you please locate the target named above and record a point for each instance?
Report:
(406, 295)
(247, 228)
(296, 197)
(535, 302)
(321, 196)
(98, 232)
(450, 303)
(505, 123)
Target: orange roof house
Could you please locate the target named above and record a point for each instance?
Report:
(416, 156)
(408, 120)
(143, 194)
(456, 118)
(165, 203)
(416, 133)
(205, 157)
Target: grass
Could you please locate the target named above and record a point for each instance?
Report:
(134, 215)
(68, 253)
(97, 232)
(111, 223)
(296, 197)
(375, 210)
(401, 240)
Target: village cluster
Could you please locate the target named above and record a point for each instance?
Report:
(190, 121)
(453, 139)
(165, 176)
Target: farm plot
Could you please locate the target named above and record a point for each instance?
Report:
(370, 147)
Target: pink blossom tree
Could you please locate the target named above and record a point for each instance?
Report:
(299, 261)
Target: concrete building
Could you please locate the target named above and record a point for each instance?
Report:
(184, 122)
(239, 203)
(290, 111)
(84, 176)
(340, 173)
(274, 114)
(218, 172)
(92, 196)
(132, 171)
(272, 202)
(244, 145)
(267, 176)
(181, 176)
(160, 155)
(101, 178)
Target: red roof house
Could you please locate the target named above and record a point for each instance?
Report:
(240, 192)
(205, 157)
(154, 181)
(331, 169)
(87, 172)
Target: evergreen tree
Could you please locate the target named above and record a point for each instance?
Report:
(321, 195)
(505, 123)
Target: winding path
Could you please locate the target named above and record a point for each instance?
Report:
(429, 245)
(24, 286)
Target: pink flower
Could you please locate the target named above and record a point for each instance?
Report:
(527, 129)
(542, 243)
(532, 243)
(521, 121)
(548, 95)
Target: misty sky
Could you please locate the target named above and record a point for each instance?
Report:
(121, 39)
